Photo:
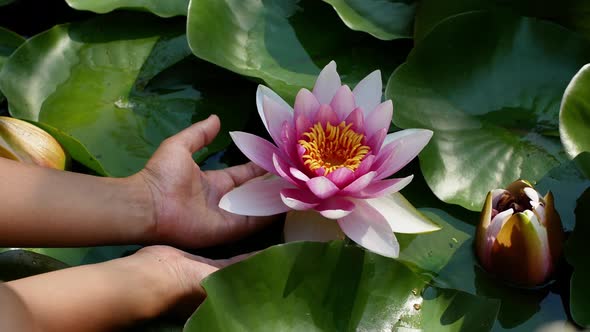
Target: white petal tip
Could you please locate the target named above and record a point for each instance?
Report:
(224, 203)
(531, 193)
(334, 214)
(427, 134)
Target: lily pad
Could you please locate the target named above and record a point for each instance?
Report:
(285, 43)
(578, 258)
(309, 286)
(110, 87)
(574, 116)
(493, 109)
(567, 183)
(166, 8)
(9, 41)
(573, 14)
(384, 19)
(78, 256)
(16, 264)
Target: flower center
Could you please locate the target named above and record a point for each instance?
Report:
(333, 147)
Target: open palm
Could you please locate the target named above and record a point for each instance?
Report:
(185, 199)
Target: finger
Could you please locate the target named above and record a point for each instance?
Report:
(221, 263)
(215, 264)
(199, 134)
(241, 173)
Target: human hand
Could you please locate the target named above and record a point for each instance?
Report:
(185, 199)
(180, 274)
(154, 281)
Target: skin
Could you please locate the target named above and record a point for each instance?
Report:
(171, 201)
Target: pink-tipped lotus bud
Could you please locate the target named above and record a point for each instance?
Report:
(519, 237)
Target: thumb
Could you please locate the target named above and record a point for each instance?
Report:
(199, 134)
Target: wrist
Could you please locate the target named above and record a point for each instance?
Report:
(139, 201)
(172, 285)
(150, 290)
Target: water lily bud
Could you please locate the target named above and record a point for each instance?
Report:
(519, 237)
(24, 142)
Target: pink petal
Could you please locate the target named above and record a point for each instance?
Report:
(327, 84)
(359, 184)
(357, 120)
(385, 155)
(341, 177)
(282, 169)
(367, 227)
(383, 187)
(376, 141)
(335, 207)
(306, 104)
(257, 149)
(320, 171)
(496, 195)
(302, 125)
(276, 115)
(263, 91)
(310, 226)
(343, 102)
(256, 198)
(367, 93)
(378, 119)
(401, 215)
(300, 151)
(402, 134)
(299, 175)
(289, 145)
(298, 199)
(322, 187)
(326, 115)
(408, 143)
(365, 165)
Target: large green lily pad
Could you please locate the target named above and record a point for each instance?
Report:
(285, 42)
(9, 41)
(384, 19)
(165, 8)
(493, 109)
(573, 14)
(332, 287)
(574, 116)
(116, 86)
(576, 255)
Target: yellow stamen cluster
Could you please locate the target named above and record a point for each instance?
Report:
(333, 147)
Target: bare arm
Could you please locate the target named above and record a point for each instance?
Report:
(170, 201)
(45, 207)
(105, 296)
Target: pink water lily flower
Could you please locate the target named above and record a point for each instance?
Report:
(332, 155)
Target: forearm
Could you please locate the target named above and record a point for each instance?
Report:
(99, 297)
(45, 207)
